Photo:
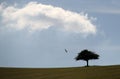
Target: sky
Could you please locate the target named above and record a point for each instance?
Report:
(35, 33)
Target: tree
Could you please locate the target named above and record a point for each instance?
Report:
(86, 56)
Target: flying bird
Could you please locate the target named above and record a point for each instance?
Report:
(66, 51)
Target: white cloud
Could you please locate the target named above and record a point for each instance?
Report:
(37, 16)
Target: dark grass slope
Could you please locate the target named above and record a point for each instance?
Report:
(95, 72)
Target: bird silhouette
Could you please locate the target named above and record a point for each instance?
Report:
(66, 51)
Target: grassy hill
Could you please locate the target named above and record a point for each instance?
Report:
(94, 72)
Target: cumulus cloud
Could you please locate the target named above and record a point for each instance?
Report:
(37, 16)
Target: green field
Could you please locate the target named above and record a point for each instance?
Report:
(94, 72)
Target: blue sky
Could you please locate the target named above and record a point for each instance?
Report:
(34, 33)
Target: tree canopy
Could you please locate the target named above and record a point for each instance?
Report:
(87, 55)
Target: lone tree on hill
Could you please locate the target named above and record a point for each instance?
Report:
(86, 56)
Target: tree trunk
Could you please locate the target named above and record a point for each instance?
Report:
(87, 63)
